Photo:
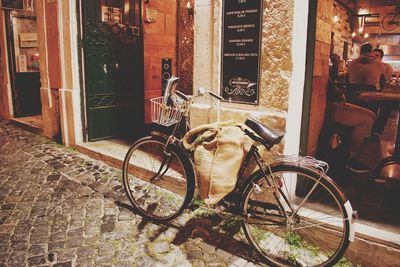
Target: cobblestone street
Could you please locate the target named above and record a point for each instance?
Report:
(61, 208)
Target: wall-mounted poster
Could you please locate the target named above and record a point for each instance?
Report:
(241, 41)
(12, 4)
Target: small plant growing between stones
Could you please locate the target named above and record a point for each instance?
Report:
(42, 140)
(344, 262)
(292, 257)
(157, 250)
(293, 239)
(196, 203)
(71, 149)
(259, 234)
(204, 212)
(230, 225)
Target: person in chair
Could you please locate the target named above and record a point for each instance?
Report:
(383, 110)
(359, 119)
(366, 70)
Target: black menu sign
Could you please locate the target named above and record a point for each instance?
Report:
(12, 4)
(241, 40)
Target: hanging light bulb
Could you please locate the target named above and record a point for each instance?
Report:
(353, 34)
(366, 35)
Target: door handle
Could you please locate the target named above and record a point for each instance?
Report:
(105, 67)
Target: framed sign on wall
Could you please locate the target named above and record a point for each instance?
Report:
(12, 4)
(241, 46)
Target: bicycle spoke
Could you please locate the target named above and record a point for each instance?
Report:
(314, 231)
(156, 184)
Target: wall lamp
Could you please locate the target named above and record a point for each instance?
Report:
(189, 8)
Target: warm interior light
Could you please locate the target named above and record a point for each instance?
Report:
(353, 34)
(335, 18)
(362, 11)
(189, 8)
(360, 30)
(366, 35)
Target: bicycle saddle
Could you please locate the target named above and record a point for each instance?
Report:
(270, 136)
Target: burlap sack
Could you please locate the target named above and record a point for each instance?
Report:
(219, 150)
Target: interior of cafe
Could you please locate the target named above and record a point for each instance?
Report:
(340, 36)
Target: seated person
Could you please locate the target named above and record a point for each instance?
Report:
(358, 118)
(388, 70)
(384, 110)
(365, 74)
(366, 70)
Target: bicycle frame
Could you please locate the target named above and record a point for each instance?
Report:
(253, 154)
(283, 203)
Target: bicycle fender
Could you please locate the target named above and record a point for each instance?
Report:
(351, 214)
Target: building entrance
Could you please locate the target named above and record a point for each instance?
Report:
(23, 63)
(113, 68)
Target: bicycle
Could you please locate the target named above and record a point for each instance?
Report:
(391, 21)
(291, 212)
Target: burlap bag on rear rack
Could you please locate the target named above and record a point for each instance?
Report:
(219, 149)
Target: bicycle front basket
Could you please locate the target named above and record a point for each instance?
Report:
(163, 114)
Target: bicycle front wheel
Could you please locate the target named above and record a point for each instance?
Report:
(390, 22)
(295, 217)
(159, 182)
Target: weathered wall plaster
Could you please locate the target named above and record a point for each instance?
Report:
(276, 63)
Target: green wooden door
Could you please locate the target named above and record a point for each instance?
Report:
(113, 65)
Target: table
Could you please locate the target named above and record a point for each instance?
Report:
(388, 95)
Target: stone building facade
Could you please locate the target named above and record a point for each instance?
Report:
(285, 93)
(62, 85)
(282, 70)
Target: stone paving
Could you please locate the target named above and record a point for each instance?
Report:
(61, 208)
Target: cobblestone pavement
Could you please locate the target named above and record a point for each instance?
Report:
(61, 208)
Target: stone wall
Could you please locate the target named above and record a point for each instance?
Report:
(159, 42)
(185, 47)
(276, 64)
(342, 30)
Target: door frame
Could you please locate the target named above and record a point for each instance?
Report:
(10, 57)
(81, 65)
(307, 93)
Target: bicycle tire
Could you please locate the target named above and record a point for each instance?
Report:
(306, 239)
(171, 191)
(389, 22)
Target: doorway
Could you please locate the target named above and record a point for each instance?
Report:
(374, 197)
(112, 39)
(23, 57)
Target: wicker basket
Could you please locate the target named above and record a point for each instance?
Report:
(163, 114)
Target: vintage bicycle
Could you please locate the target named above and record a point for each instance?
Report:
(291, 212)
(391, 21)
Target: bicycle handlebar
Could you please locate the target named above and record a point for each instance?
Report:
(182, 95)
(203, 91)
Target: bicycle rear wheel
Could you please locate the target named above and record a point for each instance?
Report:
(158, 183)
(315, 230)
(390, 22)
